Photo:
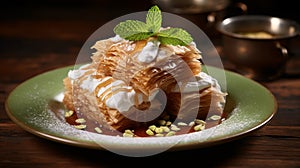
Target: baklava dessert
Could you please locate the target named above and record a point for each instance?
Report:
(145, 81)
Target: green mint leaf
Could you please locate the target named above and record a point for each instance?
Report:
(139, 36)
(133, 30)
(154, 19)
(174, 36)
(171, 41)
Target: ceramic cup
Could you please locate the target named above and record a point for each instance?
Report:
(257, 44)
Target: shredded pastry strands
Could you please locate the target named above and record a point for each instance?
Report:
(121, 88)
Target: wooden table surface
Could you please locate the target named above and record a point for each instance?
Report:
(39, 37)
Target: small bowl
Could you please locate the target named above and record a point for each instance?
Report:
(257, 44)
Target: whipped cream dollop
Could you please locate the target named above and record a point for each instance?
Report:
(116, 94)
(116, 38)
(149, 52)
(199, 82)
(89, 83)
(153, 51)
(77, 73)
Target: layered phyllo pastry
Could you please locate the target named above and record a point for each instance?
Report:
(133, 83)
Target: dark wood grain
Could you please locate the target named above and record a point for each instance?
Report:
(38, 36)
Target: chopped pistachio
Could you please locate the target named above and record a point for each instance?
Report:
(80, 120)
(171, 133)
(168, 123)
(97, 129)
(69, 113)
(125, 134)
(215, 117)
(149, 132)
(192, 123)
(82, 126)
(198, 121)
(159, 135)
(159, 130)
(129, 132)
(199, 127)
(152, 127)
(181, 124)
(165, 129)
(174, 128)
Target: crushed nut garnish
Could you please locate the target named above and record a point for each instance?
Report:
(82, 126)
(152, 127)
(97, 129)
(69, 113)
(215, 117)
(192, 123)
(159, 135)
(198, 121)
(199, 127)
(128, 133)
(165, 128)
(154, 130)
(159, 130)
(168, 123)
(80, 120)
(171, 133)
(149, 132)
(181, 124)
(174, 127)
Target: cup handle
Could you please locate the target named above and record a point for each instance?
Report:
(283, 50)
(287, 56)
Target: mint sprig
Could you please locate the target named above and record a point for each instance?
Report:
(135, 30)
(154, 19)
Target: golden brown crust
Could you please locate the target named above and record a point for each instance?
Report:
(68, 94)
(204, 103)
(118, 61)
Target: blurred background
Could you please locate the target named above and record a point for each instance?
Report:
(53, 31)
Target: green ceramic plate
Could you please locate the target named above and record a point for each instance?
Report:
(35, 105)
